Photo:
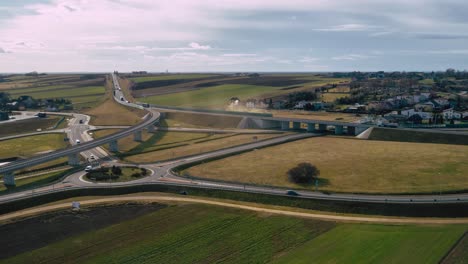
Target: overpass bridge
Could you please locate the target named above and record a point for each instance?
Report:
(286, 123)
(73, 152)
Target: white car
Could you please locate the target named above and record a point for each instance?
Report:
(88, 168)
(92, 157)
(78, 141)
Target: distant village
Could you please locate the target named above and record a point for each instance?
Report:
(392, 99)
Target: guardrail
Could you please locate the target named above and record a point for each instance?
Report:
(209, 111)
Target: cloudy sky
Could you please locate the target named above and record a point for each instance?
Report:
(232, 35)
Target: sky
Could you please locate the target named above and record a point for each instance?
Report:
(232, 35)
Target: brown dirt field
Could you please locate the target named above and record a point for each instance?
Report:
(183, 87)
(204, 120)
(35, 232)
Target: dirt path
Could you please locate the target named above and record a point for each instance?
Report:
(339, 218)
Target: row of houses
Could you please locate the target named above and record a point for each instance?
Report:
(447, 114)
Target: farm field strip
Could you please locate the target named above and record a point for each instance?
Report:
(377, 244)
(170, 77)
(192, 233)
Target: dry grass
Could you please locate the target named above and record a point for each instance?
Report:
(197, 147)
(350, 165)
(33, 145)
(126, 143)
(331, 97)
(111, 113)
(316, 115)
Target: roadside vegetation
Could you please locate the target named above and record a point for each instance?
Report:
(116, 174)
(349, 165)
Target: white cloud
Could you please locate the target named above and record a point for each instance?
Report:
(197, 46)
(351, 57)
(239, 55)
(349, 27)
(308, 59)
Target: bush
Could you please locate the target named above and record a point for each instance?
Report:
(144, 171)
(116, 170)
(303, 173)
(136, 175)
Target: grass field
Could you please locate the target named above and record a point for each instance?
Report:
(459, 253)
(32, 182)
(82, 92)
(216, 94)
(29, 146)
(179, 119)
(194, 233)
(350, 165)
(344, 117)
(170, 77)
(331, 97)
(30, 125)
(184, 234)
(212, 97)
(417, 136)
(205, 143)
(377, 244)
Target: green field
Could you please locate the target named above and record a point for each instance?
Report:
(212, 97)
(417, 136)
(184, 234)
(29, 146)
(377, 244)
(350, 165)
(170, 77)
(82, 92)
(32, 125)
(33, 182)
(193, 233)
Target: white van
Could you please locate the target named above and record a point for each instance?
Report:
(78, 141)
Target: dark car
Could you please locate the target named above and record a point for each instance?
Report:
(292, 193)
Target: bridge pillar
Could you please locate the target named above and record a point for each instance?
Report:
(310, 127)
(284, 125)
(322, 127)
(296, 125)
(73, 159)
(137, 136)
(152, 128)
(113, 146)
(9, 179)
(338, 130)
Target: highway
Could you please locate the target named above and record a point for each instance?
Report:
(77, 132)
(162, 172)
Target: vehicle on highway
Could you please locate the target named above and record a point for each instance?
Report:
(88, 168)
(78, 141)
(292, 193)
(145, 105)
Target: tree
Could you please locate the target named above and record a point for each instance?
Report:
(116, 170)
(303, 173)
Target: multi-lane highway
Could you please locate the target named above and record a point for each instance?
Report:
(161, 172)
